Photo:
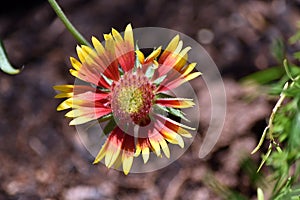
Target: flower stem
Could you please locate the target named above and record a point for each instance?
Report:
(269, 128)
(67, 23)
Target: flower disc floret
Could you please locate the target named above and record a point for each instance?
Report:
(132, 98)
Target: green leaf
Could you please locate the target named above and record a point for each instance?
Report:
(277, 49)
(150, 71)
(288, 69)
(296, 191)
(295, 70)
(297, 55)
(294, 139)
(285, 191)
(108, 80)
(249, 168)
(292, 91)
(4, 63)
(163, 95)
(177, 113)
(109, 126)
(294, 38)
(137, 62)
(264, 76)
(265, 157)
(158, 109)
(105, 118)
(172, 111)
(297, 82)
(159, 80)
(221, 190)
(298, 103)
(96, 122)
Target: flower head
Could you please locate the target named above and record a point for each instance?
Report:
(132, 93)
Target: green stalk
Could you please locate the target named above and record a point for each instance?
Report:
(67, 23)
(4, 62)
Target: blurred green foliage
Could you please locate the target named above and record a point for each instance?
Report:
(280, 179)
(283, 130)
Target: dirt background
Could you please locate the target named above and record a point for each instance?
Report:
(41, 157)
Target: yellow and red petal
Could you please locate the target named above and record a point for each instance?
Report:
(66, 104)
(188, 69)
(158, 143)
(88, 112)
(91, 96)
(169, 49)
(153, 55)
(80, 120)
(142, 146)
(66, 91)
(140, 56)
(127, 159)
(178, 58)
(64, 95)
(118, 148)
(83, 92)
(75, 63)
(128, 35)
(110, 62)
(180, 68)
(128, 148)
(86, 75)
(171, 123)
(169, 134)
(101, 153)
(165, 85)
(124, 48)
(80, 54)
(175, 126)
(125, 56)
(182, 58)
(145, 154)
(98, 46)
(64, 88)
(175, 60)
(99, 61)
(117, 36)
(77, 95)
(89, 53)
(114, 143)
(175, 102)
(109, 43)
(93, 73)
(83, 115)
(165, 147)
(154, 138)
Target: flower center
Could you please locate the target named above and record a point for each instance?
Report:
(132, 98)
